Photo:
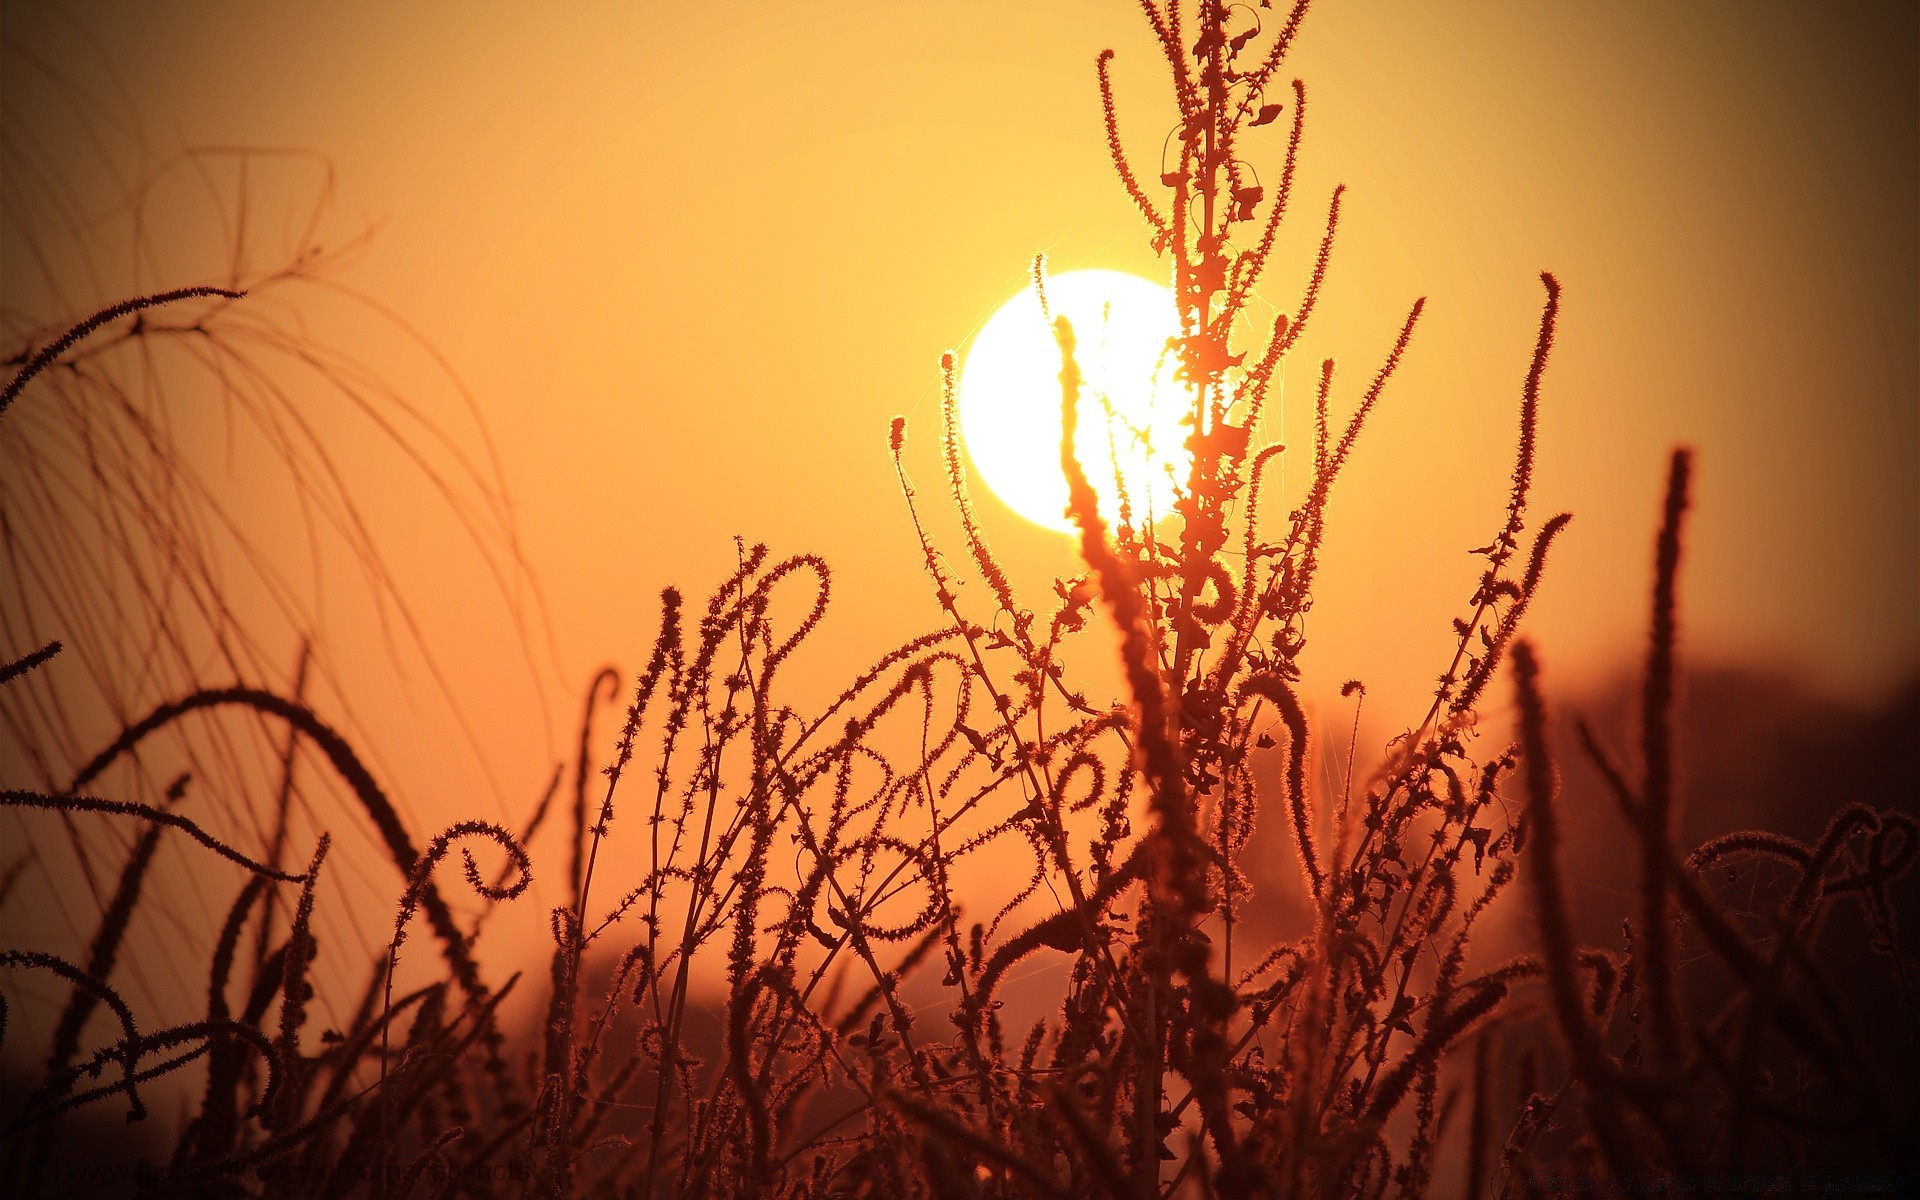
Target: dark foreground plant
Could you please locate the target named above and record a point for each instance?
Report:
(783, 991)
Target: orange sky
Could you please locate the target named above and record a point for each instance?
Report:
(691, 259)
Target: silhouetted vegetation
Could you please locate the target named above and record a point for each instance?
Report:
(780, 986)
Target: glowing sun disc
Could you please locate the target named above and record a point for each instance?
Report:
(1009, 398)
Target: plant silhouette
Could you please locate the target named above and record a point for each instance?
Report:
(776, 986)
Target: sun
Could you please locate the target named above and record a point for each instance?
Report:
(1131, 404)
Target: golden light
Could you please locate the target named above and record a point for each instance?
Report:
(1130, 405)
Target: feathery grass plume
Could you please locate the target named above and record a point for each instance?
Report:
(608, 680)
(1493, 589)
(553, 1122)
(418, 880)
(59, 1100)
(1329, 457)
(1656, 930)
(1351, 433)
(46, 356)
(346, 764)
(1755, 842)
(1175, 881)
(983, 559)
(1529, 418)
(1172, 873)
(128, 1051)
(1119, 155)
(419, 889)
(666, 649)
(1481, 670)
(740, 1009)
(1287, 330)
(21, 666)
(14, 798)
(1039, 660)
(101, 956)
(568, 924)
(215, 1125)
(567, 945)
(1247, 268)
(295, 991)
(423, 1068)
(1443, 1029)
(1058, 930)
(107, 936)
(1623, 1153)
(283, 795)
(1271, 687)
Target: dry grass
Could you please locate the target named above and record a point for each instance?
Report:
(798, 875)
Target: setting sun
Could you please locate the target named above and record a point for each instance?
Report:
(1010, 398)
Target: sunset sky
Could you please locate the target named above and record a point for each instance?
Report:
(690, 260)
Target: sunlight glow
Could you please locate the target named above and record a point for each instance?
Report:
(1009, 398)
